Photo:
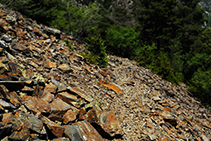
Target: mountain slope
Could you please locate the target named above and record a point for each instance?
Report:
(44, 80)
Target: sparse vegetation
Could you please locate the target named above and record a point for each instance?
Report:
(98, 50)
(68, 44)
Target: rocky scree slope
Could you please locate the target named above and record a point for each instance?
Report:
(49, 92)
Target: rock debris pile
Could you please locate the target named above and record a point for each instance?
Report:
(49, 92)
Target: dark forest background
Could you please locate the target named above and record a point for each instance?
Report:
(172, 38)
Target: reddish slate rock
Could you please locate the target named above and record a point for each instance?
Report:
(104, 73)
(33, 64)
(156, 98)
(61, 139)
(37, 31)
(59, 105)
(36, 104)
(3, 68)
(14, 68)
(112, 86)
(27, 89)
(20, 22)
(15, 99)
(47, 96)
(29, 73)
(52, 37)
(82, 131)
(72, 132)
(88, 132)
(56, 129)
(145, 109)
(11, 57)
(3, 91)
(107, 120)
(3, 22)
(6, 105)
(61, 87)
(2, 14)
(1, 108)
(10, 19)
(3, 59)
(82, 114)
(4, 78)
(206, 125)
(55, 76)
(50, 88)
(22, 34)
(70, 99)
(93, 111)
(65, 96)
(64, 67)
(19, 122)
(81, 93)
(70, 115)
(151, 130)
(28, 82)
(37, 50)
(56, 116)
(20, 128)
(37, 91)
(49, 64)
(6, 28)
(23, 134)
(35, 123)
(22, 48)
(88, 69)
(6, 117)
(34, 136)
(166, 115)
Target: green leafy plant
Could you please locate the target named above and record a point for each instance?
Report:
(77, 20)
(68, 44)
(98, 50)
(122, 40)
(158, 62)
(145, 55)
(92, 58)
(200, 86)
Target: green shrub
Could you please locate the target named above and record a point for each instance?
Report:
(98, 50)
(90, 57)
(77, 20)
(122, 40)
(200, 86)
(158, 62)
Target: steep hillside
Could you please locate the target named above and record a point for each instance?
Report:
(49, 92)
